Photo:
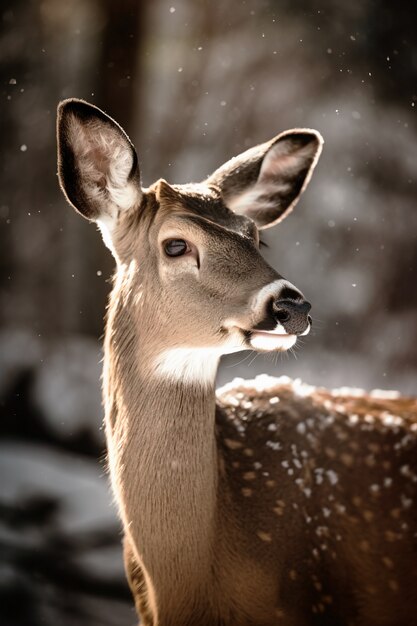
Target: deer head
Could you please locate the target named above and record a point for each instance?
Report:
(187, 256)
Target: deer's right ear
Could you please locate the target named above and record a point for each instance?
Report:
(97, 164)
(265, 182)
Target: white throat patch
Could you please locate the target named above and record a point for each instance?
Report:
(194, 365)
(188, 365)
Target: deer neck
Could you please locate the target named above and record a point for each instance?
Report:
(162, 452)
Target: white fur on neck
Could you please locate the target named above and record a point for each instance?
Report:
(106, 223)
(194, 365)
(188, 365)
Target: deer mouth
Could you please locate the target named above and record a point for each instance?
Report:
(269, 340)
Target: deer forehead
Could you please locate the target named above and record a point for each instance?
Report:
(198, 200)
(199, 216)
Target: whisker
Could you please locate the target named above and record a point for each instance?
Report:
(254, 358)
(293, 352)
(241, 361)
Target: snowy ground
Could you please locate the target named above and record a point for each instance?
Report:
(60, 540)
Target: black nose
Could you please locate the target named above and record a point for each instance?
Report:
(292, 314)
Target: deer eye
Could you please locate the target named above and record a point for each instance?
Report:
(176, 247)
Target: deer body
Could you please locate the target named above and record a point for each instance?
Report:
(256, 510)
(274, 503)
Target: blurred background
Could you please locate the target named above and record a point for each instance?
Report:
(193, 82)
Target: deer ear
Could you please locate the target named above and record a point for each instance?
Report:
(265, 182)
(97, 164)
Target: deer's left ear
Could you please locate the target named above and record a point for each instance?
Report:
(266, 181)
(97, 164)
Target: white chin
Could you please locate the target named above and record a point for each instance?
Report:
(270, 341)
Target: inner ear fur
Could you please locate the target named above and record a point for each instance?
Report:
(97, 164)
(265, 182)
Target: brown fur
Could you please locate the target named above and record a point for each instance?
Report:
(276, 503)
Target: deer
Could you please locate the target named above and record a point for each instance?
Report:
(270, 502)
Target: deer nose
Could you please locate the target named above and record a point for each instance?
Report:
(292, 314)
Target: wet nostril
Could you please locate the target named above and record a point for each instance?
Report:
(293, 316)
(282, 316)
